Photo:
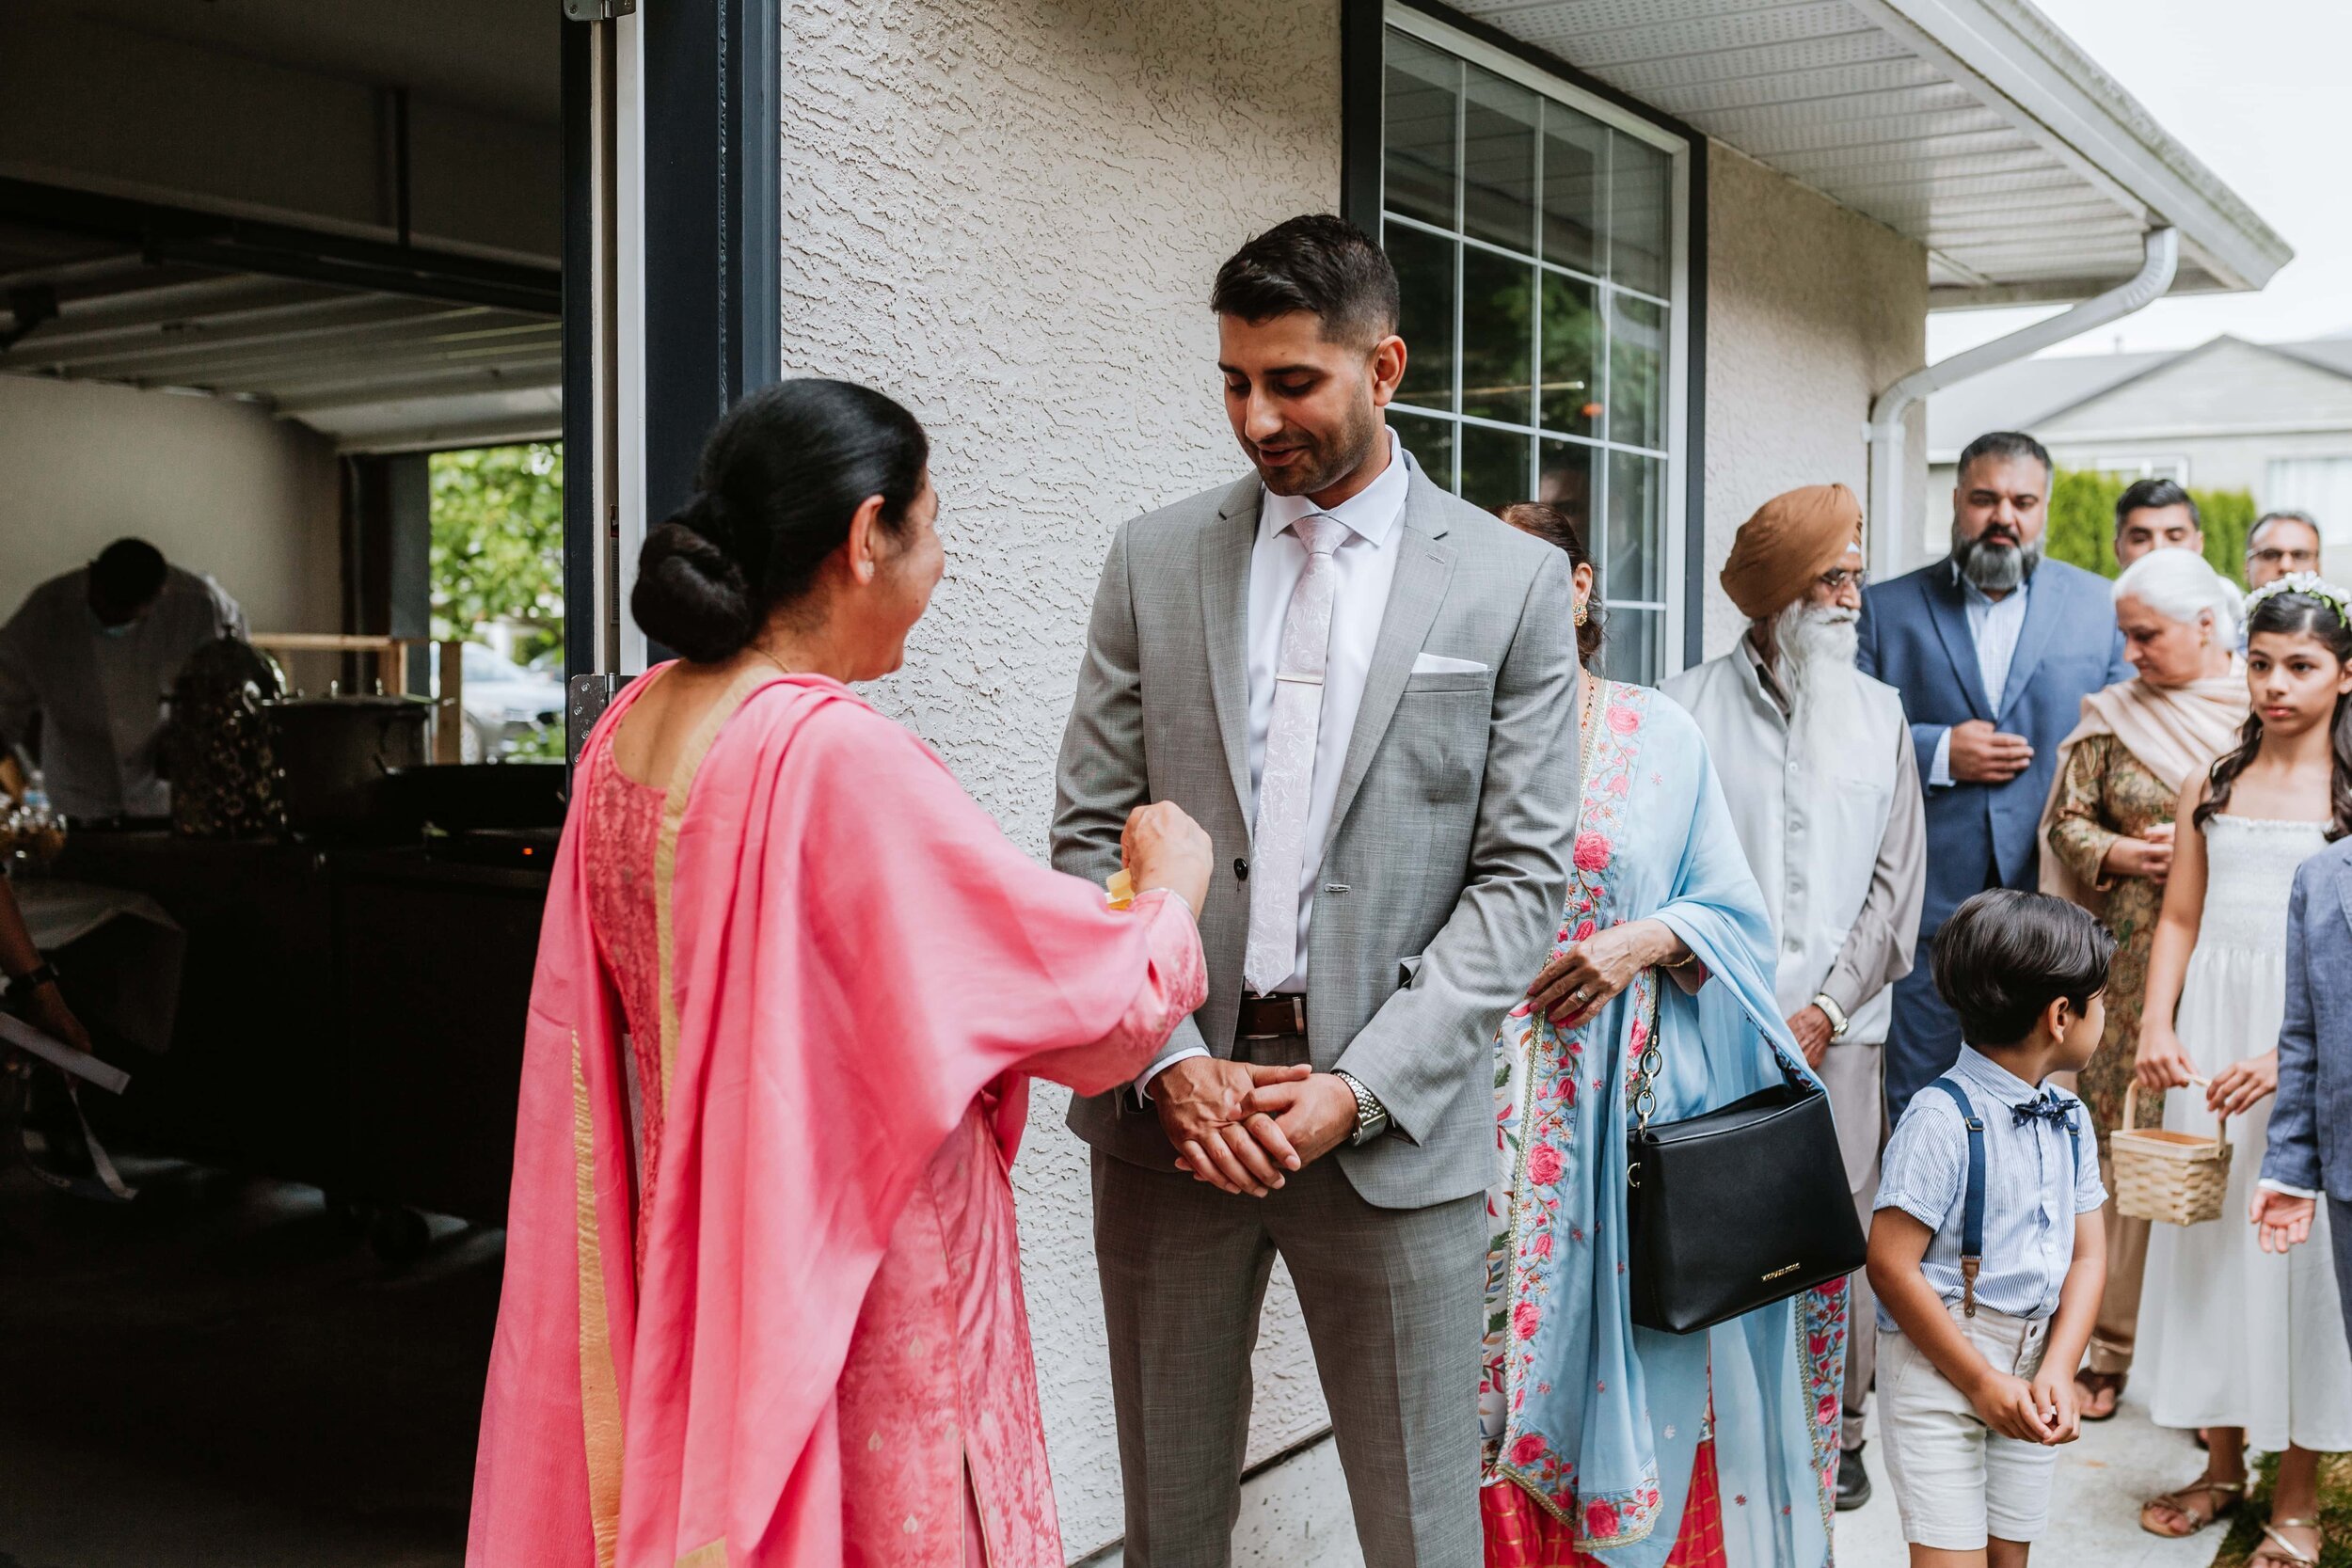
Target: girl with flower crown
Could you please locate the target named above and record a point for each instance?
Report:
(2244, 1343)
(1605, 1443)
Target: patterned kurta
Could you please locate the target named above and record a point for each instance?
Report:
(942, 1457)
(2106, 794)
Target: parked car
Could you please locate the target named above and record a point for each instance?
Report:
(508, 708)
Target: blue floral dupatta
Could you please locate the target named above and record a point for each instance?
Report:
(1597, 1420)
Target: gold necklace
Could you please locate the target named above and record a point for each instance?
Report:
(773, 659)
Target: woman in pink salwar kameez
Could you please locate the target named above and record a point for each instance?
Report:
(763, 1301)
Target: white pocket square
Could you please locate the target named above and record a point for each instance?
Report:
(1438, 664)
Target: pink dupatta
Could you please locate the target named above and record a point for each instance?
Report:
(851, 951)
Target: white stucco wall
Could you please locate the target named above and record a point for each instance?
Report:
(1008, 215)
(218, 486)
(1811, 309)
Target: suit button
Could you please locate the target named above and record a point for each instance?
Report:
(1241, 869)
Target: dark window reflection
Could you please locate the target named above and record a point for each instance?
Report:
(1419, 130)
(1498, 337)
(1424, 276)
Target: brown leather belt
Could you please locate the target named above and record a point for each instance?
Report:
(1267, 1017)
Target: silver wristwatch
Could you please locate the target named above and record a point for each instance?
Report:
(1372, 1117)
(1838, 1022)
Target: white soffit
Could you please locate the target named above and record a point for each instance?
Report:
(1975, 127)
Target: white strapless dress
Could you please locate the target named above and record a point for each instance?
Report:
(2230, 1336)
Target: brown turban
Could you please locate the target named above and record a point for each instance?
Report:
(1792, 539)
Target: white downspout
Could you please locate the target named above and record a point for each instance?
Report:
(1884, 431)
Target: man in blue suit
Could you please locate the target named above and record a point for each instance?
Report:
(2311, 1121)
(1994, 650)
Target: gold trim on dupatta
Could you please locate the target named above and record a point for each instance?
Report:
(600, 1380)
(681, 786)
(710, 1554)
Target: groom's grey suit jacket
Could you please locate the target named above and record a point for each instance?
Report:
(2310, 1121)
(1443, 875)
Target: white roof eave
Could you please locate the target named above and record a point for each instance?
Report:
(2020, 65)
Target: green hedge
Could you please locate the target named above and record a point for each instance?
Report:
(2082, 523)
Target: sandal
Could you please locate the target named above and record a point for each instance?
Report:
(2277, 1550)
(2231, 1492)
(2090, 1386)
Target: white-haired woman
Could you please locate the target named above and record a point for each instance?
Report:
(2108, 846)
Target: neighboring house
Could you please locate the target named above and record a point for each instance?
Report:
(1657, 255)
(2271, 418)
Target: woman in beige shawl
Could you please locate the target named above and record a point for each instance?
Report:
(2107, 845)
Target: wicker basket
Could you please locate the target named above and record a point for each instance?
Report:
(2178, 1178)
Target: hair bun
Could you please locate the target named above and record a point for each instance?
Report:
(692, 594)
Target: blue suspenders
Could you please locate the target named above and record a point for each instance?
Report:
(1972, 1207)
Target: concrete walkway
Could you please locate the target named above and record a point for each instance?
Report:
(2094, 1508)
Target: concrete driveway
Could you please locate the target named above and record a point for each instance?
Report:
(2094, 1510)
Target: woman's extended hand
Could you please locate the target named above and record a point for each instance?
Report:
(1582, 980)
(2149, 857)
(2280, 1221)
(2162, 1063)
(2236, 1087)
(1162, 847)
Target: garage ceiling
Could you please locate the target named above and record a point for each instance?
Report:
(374, 347)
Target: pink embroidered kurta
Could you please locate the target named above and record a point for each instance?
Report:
(932, 1449)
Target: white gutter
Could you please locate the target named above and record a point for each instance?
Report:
(1885, 433)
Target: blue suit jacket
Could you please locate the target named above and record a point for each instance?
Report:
(1915, 636)
(2310, 1121)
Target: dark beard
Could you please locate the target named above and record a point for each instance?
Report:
(1331, 462)
(1995, 567)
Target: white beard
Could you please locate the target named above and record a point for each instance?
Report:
(1816, 671)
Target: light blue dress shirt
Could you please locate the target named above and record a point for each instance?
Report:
(1993, 627)
(2035, 1183)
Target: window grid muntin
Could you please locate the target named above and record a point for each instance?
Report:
(1656, 538)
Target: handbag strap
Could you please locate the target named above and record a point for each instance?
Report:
(1972, 1207)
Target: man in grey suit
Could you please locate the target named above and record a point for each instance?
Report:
(1364, 688)
(2311, 1121)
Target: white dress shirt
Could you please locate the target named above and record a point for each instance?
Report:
(1993, 627)
(1366, 561)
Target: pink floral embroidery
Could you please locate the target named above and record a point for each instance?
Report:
(1600, 1521)
(1592, 851)
(1584, 931)
(1624, 721)
(1526, 1318)
(1543, 1165)
(1528, 1449)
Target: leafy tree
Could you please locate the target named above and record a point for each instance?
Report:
(2082, 523)
(498, 543)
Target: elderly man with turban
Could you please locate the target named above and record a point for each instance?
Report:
(1824, 792)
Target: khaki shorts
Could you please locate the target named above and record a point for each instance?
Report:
(1956, 1480)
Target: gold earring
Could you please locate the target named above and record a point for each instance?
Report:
(1581, 614)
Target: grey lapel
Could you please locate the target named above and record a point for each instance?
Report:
(1225, 550)
(1947, 607)
(1422, 571)
(2344, 887)
(2043, 614)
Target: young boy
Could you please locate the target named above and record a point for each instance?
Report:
(1985, 1248)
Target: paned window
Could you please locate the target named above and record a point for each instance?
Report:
(1535, 244)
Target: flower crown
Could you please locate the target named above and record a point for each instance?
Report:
(2311, 586)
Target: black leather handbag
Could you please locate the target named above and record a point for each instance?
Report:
(1737, 1209)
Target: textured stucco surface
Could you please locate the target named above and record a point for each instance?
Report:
(1008, 214)
(1811, 309)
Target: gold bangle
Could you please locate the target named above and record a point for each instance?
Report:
(1688, 954)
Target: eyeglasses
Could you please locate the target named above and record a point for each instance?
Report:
(1837, 578)
(2294, 561)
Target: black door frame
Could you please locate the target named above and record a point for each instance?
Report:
(712, 318)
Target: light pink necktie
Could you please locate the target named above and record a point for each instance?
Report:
(1287, 784)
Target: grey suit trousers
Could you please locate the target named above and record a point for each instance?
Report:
(1391, 1299)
